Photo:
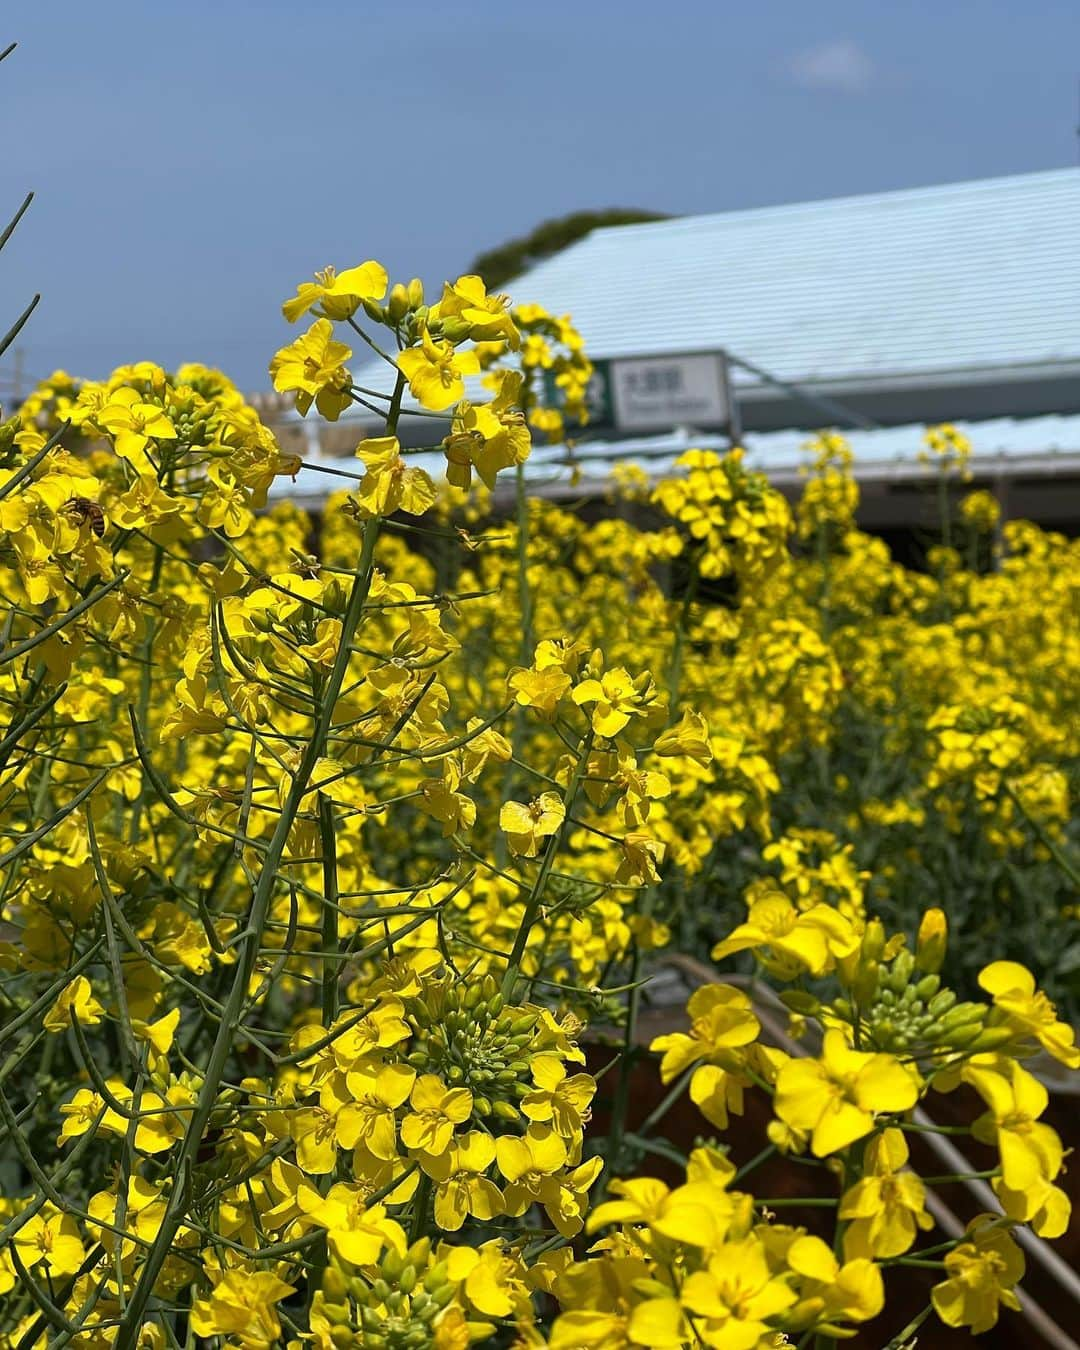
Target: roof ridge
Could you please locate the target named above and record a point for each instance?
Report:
(955, 187)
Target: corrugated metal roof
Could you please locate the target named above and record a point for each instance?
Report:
(979, 278)
(1050, 441)
(968, 274)
(1035, 445)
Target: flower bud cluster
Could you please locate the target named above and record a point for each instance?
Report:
(467, 1035)
(393, 1305)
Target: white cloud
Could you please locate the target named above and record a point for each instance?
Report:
(840, 66)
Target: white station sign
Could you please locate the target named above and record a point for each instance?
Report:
(652, 393)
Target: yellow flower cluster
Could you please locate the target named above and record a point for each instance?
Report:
(738, 523)
(340, 856)
(948, 447)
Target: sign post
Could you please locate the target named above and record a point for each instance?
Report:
(658, 393)
(654, 393)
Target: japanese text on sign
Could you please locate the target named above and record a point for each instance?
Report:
(664, 391)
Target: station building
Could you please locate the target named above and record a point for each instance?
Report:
(873, 315)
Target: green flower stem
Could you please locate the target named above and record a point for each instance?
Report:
(626, 1064)
(31, 837)
(903, 1337)
(799, 1202)
(678, 647)
(48, 998)
(680, 1085)
(420, 1206)
(756, 1161)
(232, 1015)
(1043, 836)
(58, 625)
(962, 1176)
(330, 973)
(536, 895)
(22, 474)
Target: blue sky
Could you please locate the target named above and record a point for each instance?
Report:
(193, 162)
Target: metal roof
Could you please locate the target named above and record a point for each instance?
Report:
(962, 283)
(1041, 445)
(967, 282)
(1035, 446)
(967, 275)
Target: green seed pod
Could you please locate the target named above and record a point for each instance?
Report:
(873, 943)
(443, 1294)
(963, 1014)
(416, 1254)
(8, 431)
(436, 1276)
(942, 1001)
(865, 984)
(455, 329)
(991, 1037)
(902, 969)
(335, 1287)
(796, 1001)
(961, 1037)
(397, 305)
(392, 1264)
(931, 941)
(486, 332)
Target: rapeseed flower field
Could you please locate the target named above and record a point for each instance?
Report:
(340, 859)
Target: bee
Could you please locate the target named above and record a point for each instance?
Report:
(87, 512)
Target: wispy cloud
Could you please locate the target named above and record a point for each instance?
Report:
(839, 66)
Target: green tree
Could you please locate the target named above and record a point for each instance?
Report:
(499, 265)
